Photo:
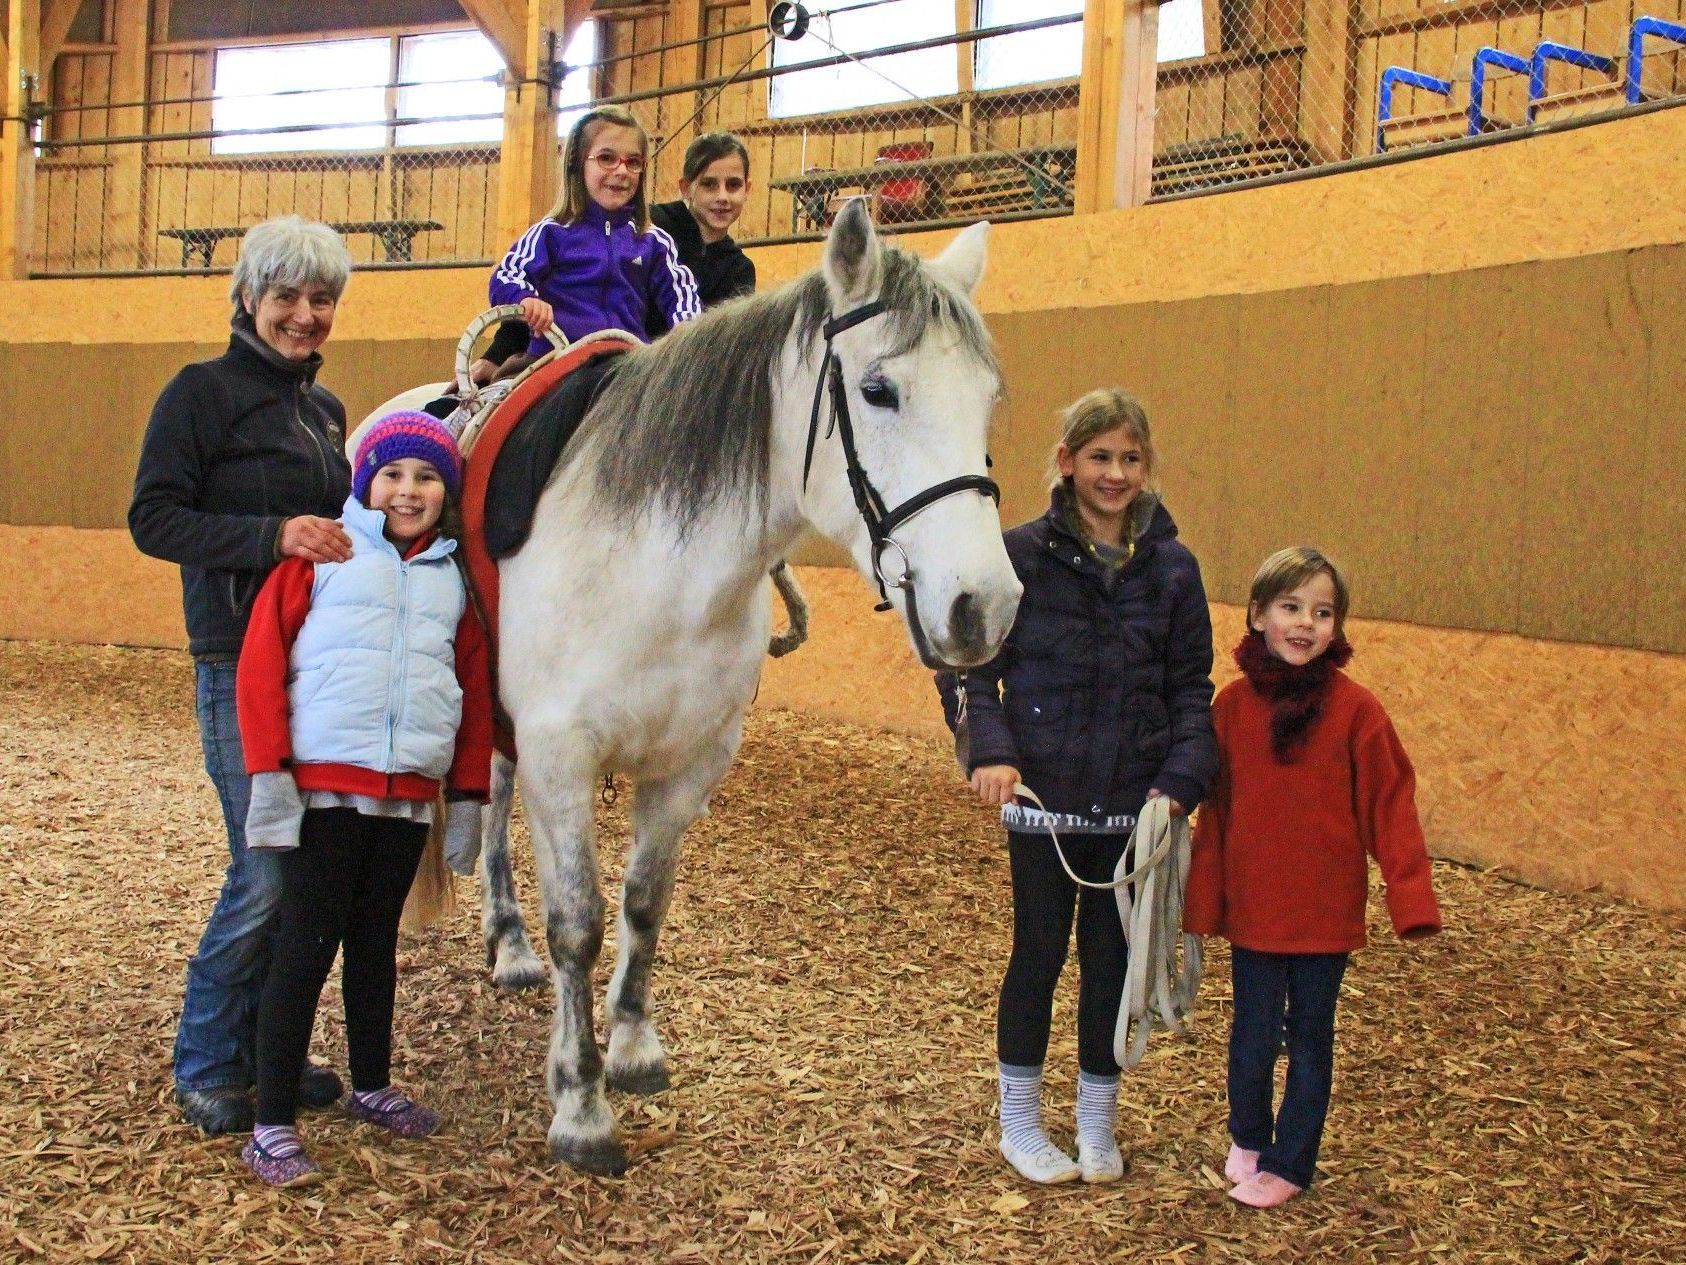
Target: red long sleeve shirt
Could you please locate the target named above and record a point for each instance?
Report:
(261, 699)
(1280, 851)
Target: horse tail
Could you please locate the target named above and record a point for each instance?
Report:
(795, 609)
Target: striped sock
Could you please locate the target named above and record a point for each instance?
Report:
(1097, 1112)
(278, 1140)
(382, 1100)
(1021, 1107)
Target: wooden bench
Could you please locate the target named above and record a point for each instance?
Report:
(966, 184)
(397, 237)
(1226, 160)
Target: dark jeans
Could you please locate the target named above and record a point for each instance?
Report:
(219, 1011)
(344, 884)
(1303, 987)
(1044, 900)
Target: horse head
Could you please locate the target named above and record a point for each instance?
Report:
(908, 384)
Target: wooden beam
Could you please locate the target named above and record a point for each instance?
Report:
(504, 22)
(679, 66)
(527, 173)
(17, 150)
(126, 192)
(1326, 77)
(57, 17)
(1115, 104)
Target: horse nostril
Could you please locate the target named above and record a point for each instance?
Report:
(966, 623)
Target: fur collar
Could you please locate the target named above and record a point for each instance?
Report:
(1296, 694)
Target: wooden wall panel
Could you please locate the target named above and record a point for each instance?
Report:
(1374, 399)
(1660, 596)
(1189, 393)
(1581, 513)
(1470, 448)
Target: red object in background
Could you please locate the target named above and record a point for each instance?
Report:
(903, 197)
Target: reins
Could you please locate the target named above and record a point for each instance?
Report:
(1158, 990)
(880, 522)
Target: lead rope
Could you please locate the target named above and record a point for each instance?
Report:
(1159, 990)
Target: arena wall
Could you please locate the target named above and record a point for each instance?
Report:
(1458, 373)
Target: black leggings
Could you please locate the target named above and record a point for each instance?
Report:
(1043, 901)
(344, 884)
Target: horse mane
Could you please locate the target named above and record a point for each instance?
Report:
(686, 422)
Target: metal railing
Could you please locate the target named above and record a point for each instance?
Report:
(932, 126)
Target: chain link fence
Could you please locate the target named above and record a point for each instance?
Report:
(935, 117)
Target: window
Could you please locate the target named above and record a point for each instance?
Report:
(1056, 52)
(349, 84)
(444, 77)
(928, 72)
(575, 92)
(292, 84)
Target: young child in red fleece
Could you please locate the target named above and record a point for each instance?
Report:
(1312, 780)
(363, 688)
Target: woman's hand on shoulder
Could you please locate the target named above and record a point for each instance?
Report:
(538, 314)
(1177, 810)
(314, 539)
(994, 783)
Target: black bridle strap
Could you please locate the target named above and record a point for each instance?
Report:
(880, 522)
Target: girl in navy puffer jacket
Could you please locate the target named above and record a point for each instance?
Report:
(1099, 700)
(363, 689)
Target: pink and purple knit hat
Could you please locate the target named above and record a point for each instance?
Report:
(406, 434)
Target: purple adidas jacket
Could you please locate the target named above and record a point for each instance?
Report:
(598, 273)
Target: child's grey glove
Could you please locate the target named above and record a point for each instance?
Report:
(277, 809)
(462, 835)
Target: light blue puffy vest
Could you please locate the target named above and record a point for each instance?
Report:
(372, 679)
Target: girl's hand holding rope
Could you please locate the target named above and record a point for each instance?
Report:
(994, 783)
(1177, 810)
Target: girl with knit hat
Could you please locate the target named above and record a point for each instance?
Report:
(1312, 781)
(363, 688)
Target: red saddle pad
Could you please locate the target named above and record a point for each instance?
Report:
(477, 475)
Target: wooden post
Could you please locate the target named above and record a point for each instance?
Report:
(127, 227)
(1326, 80)
(17, 149)
(965, 15)
(674, 121)
(527, 171)
(1115, 104)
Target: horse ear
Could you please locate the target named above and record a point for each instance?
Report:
(963, 261)
(853, 266)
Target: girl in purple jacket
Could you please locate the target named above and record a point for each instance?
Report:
(596, 262)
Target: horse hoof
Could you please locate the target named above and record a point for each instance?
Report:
(516, 971)
(643, 1081)
(604, 1157)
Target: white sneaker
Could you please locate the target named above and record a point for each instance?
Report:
(1100, 1166)
(1047, 1165)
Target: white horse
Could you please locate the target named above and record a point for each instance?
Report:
(635, 618)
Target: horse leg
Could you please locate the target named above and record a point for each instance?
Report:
(661, 814)
(511, 957)
(557, 774)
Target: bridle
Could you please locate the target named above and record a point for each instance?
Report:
(880, 522)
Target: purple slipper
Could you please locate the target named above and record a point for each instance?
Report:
(297, 1169)
(397, 1114)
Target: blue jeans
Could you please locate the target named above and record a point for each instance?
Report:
(215, 1039)
(1268, 986)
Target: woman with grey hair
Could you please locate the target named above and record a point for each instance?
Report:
(243, 464)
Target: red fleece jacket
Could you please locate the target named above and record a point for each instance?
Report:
(1279, 855)
(261, 700)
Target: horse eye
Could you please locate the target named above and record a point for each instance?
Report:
(879, 393)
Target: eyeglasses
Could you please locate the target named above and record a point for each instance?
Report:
(607, 160)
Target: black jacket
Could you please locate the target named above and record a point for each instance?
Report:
(235, 446)
(1099, 694)
(722, 270)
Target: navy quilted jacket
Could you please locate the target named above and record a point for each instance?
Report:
(1098, 696)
